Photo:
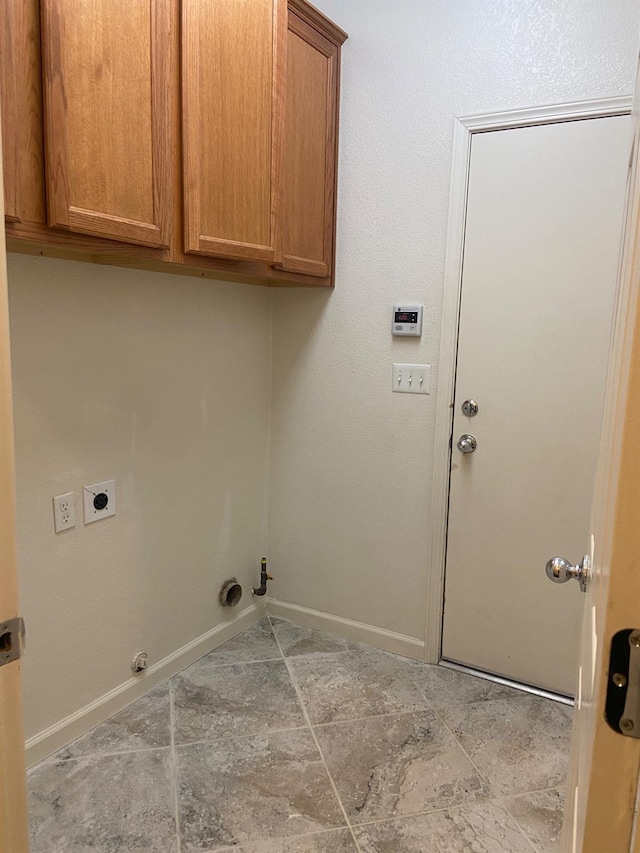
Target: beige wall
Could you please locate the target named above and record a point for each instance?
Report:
(163, 383)
(352, 462)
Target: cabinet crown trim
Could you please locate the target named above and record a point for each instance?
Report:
(315, 18)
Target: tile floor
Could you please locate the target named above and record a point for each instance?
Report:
(287, 740)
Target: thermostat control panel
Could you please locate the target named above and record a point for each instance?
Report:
(407, 320)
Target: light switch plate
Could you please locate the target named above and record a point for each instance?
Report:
(99, 501)
(412, 378)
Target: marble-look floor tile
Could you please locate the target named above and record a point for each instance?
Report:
(253, 788)
(355, 684)
(389, 766)
(444, 686)
(103, 804)
(520, 744)
(296, 640)
(480, 828)
(213, 701)
(144, 724)
(334, 841)
(540, 818)
(254, 643)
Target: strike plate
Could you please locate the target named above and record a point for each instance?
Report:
(622, 710)
(11, 640)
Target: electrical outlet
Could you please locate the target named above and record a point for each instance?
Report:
(64, 513)
(412, 378)
(99, 501)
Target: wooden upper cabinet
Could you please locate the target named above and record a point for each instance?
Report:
(21, 93)
(200, 134)
(232, 76)
(108, 137)
(310, 146)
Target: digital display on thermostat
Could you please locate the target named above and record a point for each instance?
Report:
(406, 317)
(407, 320)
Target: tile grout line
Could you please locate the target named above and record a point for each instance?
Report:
(174, 765)
(316, 741)
(471, 761)
(227, 738)
(490, 787)
(319, 833)
(275, 637)
(444, 809)
(517, 795)
(452, 807)
(521, 830)
(426, 710)
(227, 663)
(89, 756)
(488, 781)
(426, 813)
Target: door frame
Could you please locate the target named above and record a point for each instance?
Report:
(14, 835)
(464, 129)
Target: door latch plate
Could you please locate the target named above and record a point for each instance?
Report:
(622, 708)
(11, 640)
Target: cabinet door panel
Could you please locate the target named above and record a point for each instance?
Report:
(107, 131)
(310, 150)
(232, 51)
(21, 92)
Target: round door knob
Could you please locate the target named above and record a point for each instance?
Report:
(560, 570)
(467, 443)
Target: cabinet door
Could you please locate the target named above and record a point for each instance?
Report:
(309, 150)
(108, 146)
(21, 93)
(232, 75)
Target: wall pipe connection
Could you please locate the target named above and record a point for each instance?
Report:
(264, 577)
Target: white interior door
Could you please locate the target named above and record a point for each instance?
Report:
(602, 788)
(544, 218)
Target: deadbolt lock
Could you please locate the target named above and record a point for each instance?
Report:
(470, 408)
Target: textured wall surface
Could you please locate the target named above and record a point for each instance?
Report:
(162, 382)
(352, 462)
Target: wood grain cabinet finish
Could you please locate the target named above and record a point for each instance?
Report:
(21, 91)
(107, 127)
(173, 135)
(232, 56)
(310, 145)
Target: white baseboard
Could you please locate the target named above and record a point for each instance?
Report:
(67, 730)
(380, 638)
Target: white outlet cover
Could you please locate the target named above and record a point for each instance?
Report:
(64, 512)
(99, 501)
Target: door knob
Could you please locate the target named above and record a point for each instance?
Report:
(467, 443)
(560, 570)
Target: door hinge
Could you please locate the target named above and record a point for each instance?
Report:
(11, 640)
(622, 708)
